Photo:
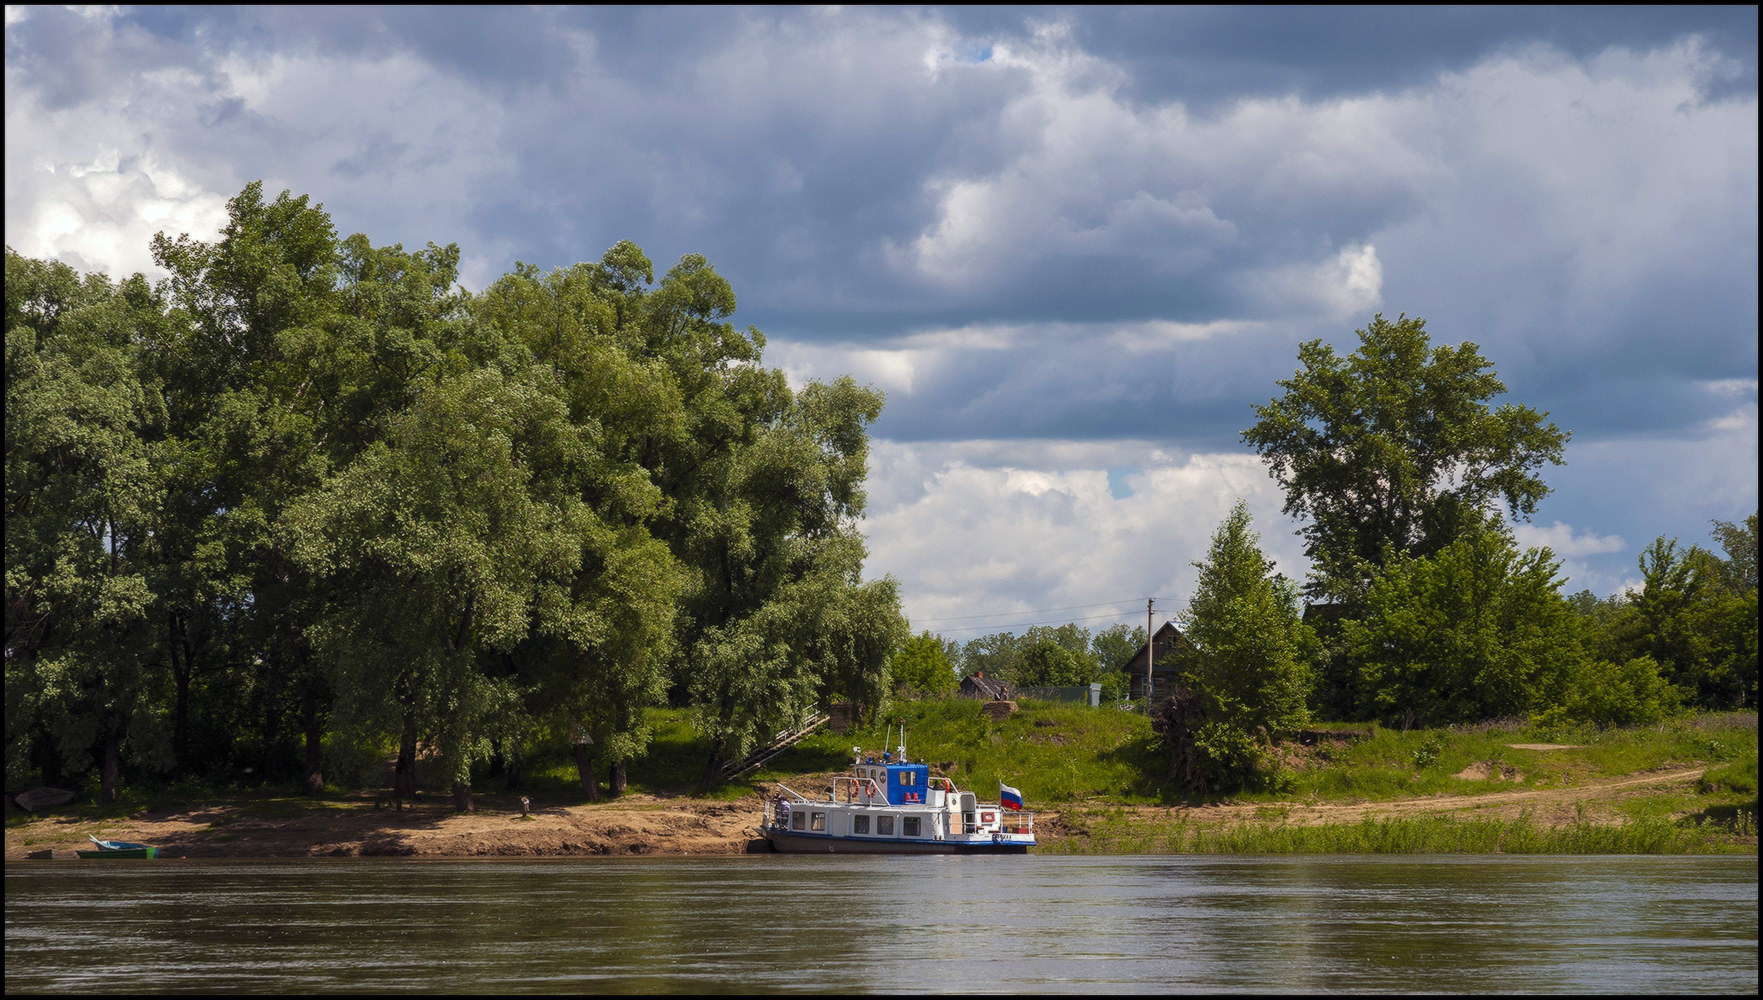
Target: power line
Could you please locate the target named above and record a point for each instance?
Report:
(1051, 621)
(1032, 611)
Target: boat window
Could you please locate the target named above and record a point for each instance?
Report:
(797, 819)
(860, 824)
(884, 825)
(908, 778)
(910, 826)
(819, 822)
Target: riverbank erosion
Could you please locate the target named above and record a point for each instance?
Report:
(1652, 812)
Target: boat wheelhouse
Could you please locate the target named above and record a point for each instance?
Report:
(894, 806)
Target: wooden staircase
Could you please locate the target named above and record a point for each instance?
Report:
(782, 741)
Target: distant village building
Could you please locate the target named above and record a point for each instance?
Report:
(985, 688)
(1171, 647)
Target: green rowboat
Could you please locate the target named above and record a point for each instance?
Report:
(119, 849)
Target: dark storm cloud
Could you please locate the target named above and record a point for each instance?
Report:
(1114, 171)
(1206, 55)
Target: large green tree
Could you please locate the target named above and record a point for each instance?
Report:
(1397, 448)
(85, 493)
(1477, 630)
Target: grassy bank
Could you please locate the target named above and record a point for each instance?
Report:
(1105, 831)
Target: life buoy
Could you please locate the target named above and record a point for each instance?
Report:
(988, 817)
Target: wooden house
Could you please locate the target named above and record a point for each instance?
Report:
(986, 688)
(1171, 649)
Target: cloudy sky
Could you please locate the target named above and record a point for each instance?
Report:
(1074, 247)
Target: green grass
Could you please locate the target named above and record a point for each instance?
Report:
(1390, 765)
(1118, 832)
(1053, 752)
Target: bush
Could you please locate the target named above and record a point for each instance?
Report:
(1226, 756)
(1607, 694)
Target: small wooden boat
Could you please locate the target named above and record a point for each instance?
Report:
(118, 849)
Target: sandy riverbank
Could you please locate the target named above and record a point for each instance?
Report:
(645, 824)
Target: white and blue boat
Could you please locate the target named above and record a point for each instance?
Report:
(895, 806)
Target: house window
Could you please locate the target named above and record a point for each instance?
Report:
(819, 824)
(860, 824)
(910, 827)
(797, 819)
(884, 826)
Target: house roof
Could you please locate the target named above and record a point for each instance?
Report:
(1167, 637)
(989, 687)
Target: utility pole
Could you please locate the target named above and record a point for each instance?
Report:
(1150, 648)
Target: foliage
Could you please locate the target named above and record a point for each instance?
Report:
(1477, 631)
(309, 490)
(1738, 571)
(1394, 450)
(1228, 758)
(925, 666)
(1690, 620)
(1606, 694)
(1250, 648)
(1043, 656)
(1116, 644)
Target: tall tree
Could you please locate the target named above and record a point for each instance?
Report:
(1396, 449)
(85, 487)
(1249, 664)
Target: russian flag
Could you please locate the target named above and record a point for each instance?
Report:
(1008, 797)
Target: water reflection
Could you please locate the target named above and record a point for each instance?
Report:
(813, 924)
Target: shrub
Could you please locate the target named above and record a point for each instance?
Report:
(1607, 694)
(1226, 756)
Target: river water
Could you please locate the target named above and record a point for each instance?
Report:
(769, 923)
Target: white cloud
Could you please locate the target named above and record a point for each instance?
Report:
(969, 532)
(1564, 541)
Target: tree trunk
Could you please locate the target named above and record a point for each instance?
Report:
(314, 781)
(404, 778)
(713, 768)
(462, 796)
(584, 766)
(513, 770)
(620, 769)
(112, 766)
(180, 711)
(48, 753)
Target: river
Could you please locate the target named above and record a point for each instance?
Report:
(768, 923)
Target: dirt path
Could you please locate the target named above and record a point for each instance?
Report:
(643, 824)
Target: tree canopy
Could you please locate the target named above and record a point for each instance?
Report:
(309, 490)
(1396, 448)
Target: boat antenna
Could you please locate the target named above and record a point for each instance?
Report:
(902, 740)
(889, 738)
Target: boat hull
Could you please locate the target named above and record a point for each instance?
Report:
(137, 852)
(790, 842)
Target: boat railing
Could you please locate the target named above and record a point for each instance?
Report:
(799, 797)
(850, 785)
(1017, 822)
